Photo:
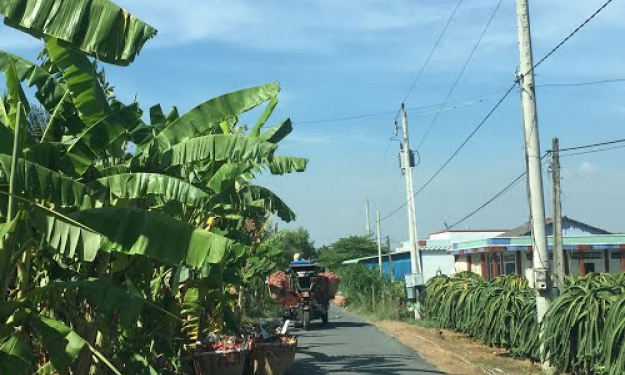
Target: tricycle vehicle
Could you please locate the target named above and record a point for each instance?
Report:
(307, 295)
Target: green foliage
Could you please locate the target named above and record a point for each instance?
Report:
(347, 248)
(100, 235)
(575, 325)
(495, 312)
(583, 329)
(372, 293)
(615, 337)
(96, 27)
(291, 241)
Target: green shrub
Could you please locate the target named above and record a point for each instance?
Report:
(373, 293)
(500, 313)
(576, 327)
(615, 338)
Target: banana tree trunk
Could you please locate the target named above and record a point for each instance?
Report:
(88, 325)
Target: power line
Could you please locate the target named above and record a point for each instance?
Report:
(485, 95)
(494, 198)
(593, 151)
(457, 150)
(593, 145)
(488, 202)
(558, 46)
(382, 113)
(438, 41)
(572, 34)
(576, 84)
(460, 74)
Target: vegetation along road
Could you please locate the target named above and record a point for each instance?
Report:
(349, 345)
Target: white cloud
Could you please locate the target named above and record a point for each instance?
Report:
(311, 26)
(587, 168)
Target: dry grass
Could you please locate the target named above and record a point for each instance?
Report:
(456, 353)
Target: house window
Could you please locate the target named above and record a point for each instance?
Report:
(590, 267)
(616, 255)
(588, 255)
(510, 267)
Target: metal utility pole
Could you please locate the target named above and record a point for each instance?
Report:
(558, 249)
(415, 263)
(367, 222)
(379, 241)
(390, 259)
(534, 173)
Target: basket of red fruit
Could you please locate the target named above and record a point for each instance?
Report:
(333, 283)
(274, 356)
(277, 285)
(221, 355)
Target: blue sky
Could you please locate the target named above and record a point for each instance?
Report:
(342, 58)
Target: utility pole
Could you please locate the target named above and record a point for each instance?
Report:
(367, 222)
(390, 259)
(415, 266)
(379, 241)
(558, 248)
(534, 173)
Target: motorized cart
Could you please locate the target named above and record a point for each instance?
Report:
(307, 294)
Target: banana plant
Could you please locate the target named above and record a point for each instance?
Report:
(81, 214)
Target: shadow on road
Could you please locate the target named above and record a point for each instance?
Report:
(317, 326)
(322, 364)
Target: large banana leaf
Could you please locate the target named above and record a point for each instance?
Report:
(139, 185)
(255, 132)
(15, 356)
(277, 133)
(6, 136)
(36, 182)
(206, 117)
(110, 299)
(218, 148)
(287, 164)
(100, 140)
(63, 344)
(49, 90)
(134, 231)
(14, 95)
(80, 77)
(96, 27)
(268, 200)
(226, 174)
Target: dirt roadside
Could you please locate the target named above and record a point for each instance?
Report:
(456, 353)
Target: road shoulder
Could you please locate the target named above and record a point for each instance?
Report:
(455, 353)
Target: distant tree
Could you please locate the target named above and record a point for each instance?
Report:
(291, 242)
(347, 248)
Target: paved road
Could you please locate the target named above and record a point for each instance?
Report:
(349, 346)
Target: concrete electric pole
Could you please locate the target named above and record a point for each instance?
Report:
(415, 260)
(534, 173)
(390, 259)
(558, 249)
(377, 216)
(367, 221)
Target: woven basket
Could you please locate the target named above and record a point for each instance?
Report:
(220, 363)
(272, 359)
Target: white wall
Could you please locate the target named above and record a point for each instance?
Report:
(455, 237)
(475, 264)
(461, 264)
(435, 260)
(615, 264)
